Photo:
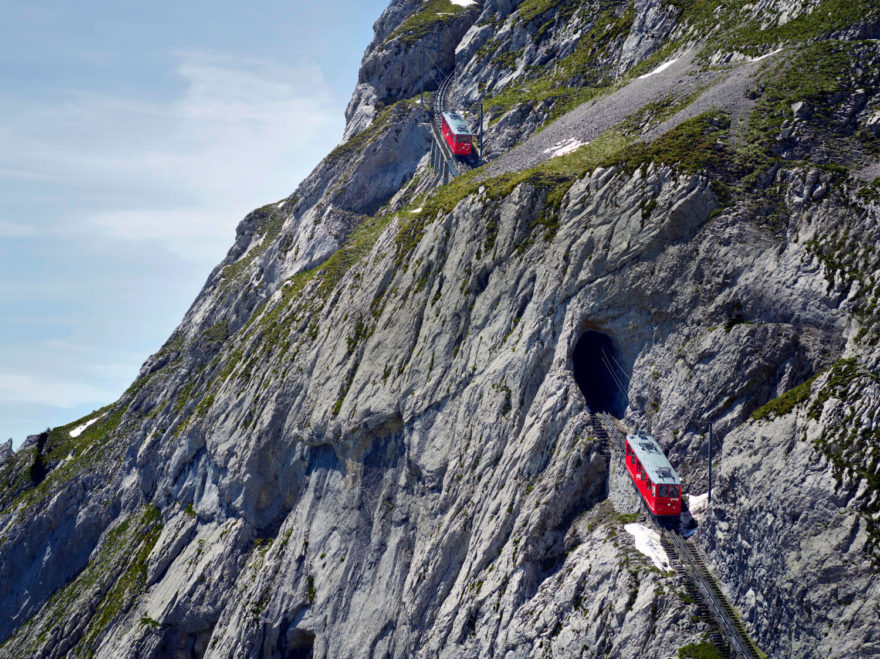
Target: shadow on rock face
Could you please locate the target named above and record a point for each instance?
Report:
(300, 644)
(599, 375)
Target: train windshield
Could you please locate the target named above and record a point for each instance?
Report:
(662, 491)
(673, 491)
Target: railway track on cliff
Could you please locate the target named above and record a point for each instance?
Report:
(442, 159)
(710, 592)
(731, 635)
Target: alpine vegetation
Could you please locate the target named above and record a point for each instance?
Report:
(398, 421)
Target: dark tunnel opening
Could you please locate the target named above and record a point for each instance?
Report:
(300, 644)
(599, 375)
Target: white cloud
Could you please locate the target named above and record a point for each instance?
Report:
(65, 373)
(28, 388)
(180, 230)
(127, 201)
(14, 230)
(181, 171)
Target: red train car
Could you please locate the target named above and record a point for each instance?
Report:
(457, 134)
(654, 477)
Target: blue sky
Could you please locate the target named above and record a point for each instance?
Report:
(133, 138)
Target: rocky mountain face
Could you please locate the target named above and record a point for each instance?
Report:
(371, 434)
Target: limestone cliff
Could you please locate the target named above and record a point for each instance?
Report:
(369, 436)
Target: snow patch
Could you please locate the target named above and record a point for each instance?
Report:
(464, 3)
(416, 210)
(698, 504)
(566, 146)
(660, 68)
(280, 204)
(758, 59)
(76, 432)
(648, 542)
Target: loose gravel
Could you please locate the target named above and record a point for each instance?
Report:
(724, 88)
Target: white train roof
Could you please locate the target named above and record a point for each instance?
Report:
(653, 459)
(456, 123)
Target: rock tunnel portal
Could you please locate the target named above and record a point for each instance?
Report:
(598, 374)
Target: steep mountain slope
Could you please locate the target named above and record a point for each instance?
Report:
(368, 436)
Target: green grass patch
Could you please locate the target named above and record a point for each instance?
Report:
(843, 373)
(785, 403)
(217, 333)
(529, 10)
(270, 219)
(357, 245)
(657, 112)
(114, 577)
(425, 21)
(357, 143)
(127, 586)
(724, 20)
(843, 443)
(810, 75)
(147, 621)
(553, 177)
(574, 79)
(694, 146)
(83, 451)
(702, 650)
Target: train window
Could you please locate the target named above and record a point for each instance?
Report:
(673, 491)
(662, 491)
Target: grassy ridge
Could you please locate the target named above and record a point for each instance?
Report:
(425, 21)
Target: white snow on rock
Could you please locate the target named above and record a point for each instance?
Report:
(648, 542)
(566, 146)
(76, 432)
(280, 204)
(416, 210)
(698, 504)
(660, 68)
(758, 59)
(464, 3)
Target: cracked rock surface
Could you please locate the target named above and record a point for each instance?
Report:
(368, 437)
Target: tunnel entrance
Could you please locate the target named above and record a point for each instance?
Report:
(598, 374)
(300, 644)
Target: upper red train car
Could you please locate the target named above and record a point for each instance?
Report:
(654, 477)
(457, 134)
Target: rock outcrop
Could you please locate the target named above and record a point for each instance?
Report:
(367, 436)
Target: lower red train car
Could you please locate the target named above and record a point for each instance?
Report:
(457, 134)
(654, 477)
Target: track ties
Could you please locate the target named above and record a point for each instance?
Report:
(727, 631)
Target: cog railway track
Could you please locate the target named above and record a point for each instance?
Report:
(729, 636)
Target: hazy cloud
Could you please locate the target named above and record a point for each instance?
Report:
(14, 230)
(182, 171)
(27, 388)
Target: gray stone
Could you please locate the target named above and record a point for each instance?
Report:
(367, 436)
(6, 451)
